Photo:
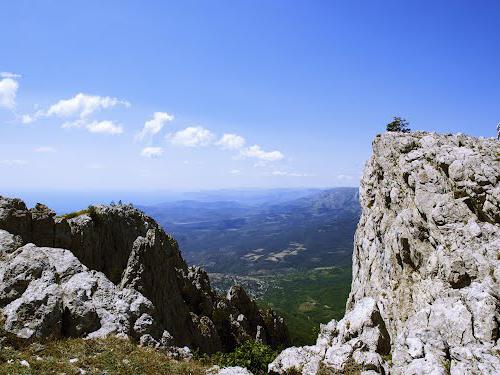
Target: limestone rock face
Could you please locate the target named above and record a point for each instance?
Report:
(113, 270)
(426, 264)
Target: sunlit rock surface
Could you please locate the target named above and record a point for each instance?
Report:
(426, 264)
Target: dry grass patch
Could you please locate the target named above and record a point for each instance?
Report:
(106, 356)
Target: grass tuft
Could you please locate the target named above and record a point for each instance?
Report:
(72, 215)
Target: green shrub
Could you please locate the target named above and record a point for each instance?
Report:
(90, 210)
(398, 124)
(253, 355)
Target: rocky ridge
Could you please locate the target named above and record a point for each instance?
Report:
(426, 265)
(113, 270)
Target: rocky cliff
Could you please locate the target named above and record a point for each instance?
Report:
(426, 265)
(113, 270)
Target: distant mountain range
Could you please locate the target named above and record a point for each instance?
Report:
(248, 233)
(63, 202)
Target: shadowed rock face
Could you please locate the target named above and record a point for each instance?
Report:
(426, 264)
(113, 270)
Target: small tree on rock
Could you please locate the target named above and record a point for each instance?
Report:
(399, 124)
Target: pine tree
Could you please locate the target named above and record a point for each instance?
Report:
(399, 124)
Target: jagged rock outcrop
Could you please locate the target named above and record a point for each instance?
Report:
(113, 270)
(426, 264)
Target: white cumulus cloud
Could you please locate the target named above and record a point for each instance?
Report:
(45, 149)
(231, 142)
(193, 136)
(152, 152)
(83, 105)
(106, 127)
(154, 126)
(257, 152)
(8, 90)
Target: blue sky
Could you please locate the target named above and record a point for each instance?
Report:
(298, 88)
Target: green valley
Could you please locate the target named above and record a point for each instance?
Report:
(306, 299)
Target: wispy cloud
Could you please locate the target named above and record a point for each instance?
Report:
(152, 152)
(257, 152)
(95, 166)
(74, 124)
(290, 174)
(231, 142)
(30, 118)
(13, 162)
(344, 177)
(279, 173)
(9, 75)
(193, 136)
(154, 126)
(45, 149)
(235, 171)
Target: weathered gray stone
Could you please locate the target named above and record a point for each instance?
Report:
(427, 256)
(235, 370)
(9, 242)
(15, 218)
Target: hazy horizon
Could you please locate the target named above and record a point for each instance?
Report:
(64, 201)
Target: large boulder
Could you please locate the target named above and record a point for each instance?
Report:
(426, 264)
(47, 292)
